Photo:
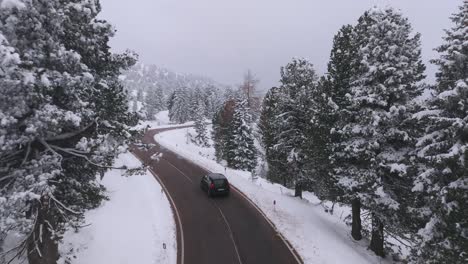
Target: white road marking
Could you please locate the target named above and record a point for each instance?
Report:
(172, 165)
(230, 232)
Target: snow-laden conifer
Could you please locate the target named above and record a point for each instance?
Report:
(442, 183)
(375, 143)
(63, 116)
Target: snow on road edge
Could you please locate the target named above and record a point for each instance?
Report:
(129, 228)
(317, 236)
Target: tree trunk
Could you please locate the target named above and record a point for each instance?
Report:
(41, 246)
(377, 239)
(356, 224)
(298, 190)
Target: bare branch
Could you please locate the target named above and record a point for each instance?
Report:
(10, 156)
(6, 178)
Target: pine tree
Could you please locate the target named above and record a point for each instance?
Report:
(179, 102)
(373, 158)
(442, 183)
(241, 152)
(298, 78)
(64, 117)
(170, 101)
(342, 69)
(222, 130)
(154, 102)
(213, 101)
(194, 98)
(201, 137)
(321, 112)
(232, 94)
(268, 127)
(342, 66)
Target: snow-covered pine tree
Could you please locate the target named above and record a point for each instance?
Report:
(268, 128)
(212, 99)
(241, 151)
(200, 137)
(179, 110)
(217, 135)
(195, 96)
(342, 69)
(232, 94)
(154, 102)
(321, 113)
(297, 79)
(342, 65)
(373, 157)
(170, 101)
(443, 179)
(64, 117)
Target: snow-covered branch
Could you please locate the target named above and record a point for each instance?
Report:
(78, 154)
(71, 134)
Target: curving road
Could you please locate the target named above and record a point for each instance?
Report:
(213, 230)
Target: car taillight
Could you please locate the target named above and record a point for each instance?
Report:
(212, 186)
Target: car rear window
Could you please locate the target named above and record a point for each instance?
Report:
(219, 183)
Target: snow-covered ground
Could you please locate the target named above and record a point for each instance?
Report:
(133, 225)
(129, 228)
(162, 121)
(318, 236)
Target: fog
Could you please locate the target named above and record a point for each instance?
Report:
(222, 39)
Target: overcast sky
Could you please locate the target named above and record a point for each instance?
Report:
(221, 39)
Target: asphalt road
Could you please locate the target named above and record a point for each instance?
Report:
(213, 230)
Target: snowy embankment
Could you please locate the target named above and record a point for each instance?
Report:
(161, 121)
(318, 236)
(130, 227)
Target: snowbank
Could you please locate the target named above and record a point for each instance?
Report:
(318, 236)
(162, 121)
(129, 228)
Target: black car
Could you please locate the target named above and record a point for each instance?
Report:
(214, 184)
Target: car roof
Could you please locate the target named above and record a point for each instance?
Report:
(215, 176)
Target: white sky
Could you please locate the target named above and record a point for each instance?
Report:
(221, 39)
